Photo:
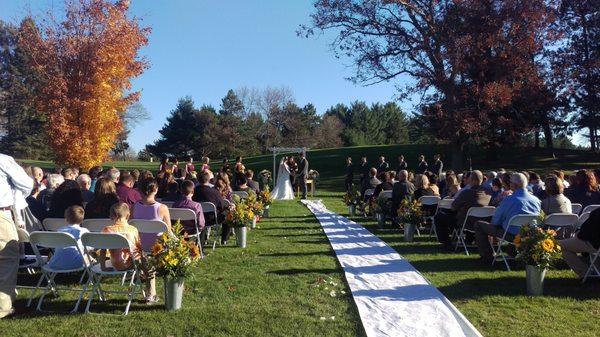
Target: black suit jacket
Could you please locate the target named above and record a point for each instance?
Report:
(401, 190)
(422, 167)
(401, 166)
(590, 229)
(204, 193)
(349, 172)
(303, 168)
(437, 168)
(364, 172)
(382, 168)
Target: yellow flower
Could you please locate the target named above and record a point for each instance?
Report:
(251, 214)
(552, 232)
(156, 249)
(548, 245)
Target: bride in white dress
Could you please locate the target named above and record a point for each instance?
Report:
(283, 189)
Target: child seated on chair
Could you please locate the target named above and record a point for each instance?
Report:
(121, 259)
(70, 257)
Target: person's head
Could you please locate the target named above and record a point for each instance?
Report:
(249, 174)
(587, 180)
(225, 161)
(174, 160)
(205, 160)
(392, 175)
(387, 177)
(402, 175)
(238, 159)
(113, 174)
(534, 178)
(363, 160)
(597, 174)
(104, 187)
(205, 177)
(496, 184)
(187, 188)
(490, 175)
(173, 188)
(94, 172)
(401, 158)
(421, 181)
(554, 185)
(560, 174)
(74, 215)
(127, 179)
(505, 177)
(433, 178)
(526, 174)
(466, 179)
(421, 157)
(518, 181)
(190, 159)
(54, 180)
(164, 161)
(136, 175)
(475, 178)
(119, 211)
(436, 156)
(84, 181)
(349, 160)
(69, 174)
(451, 180)
(37, 173)
(149, 188)
(381, 159)
(302, 154)
(373, 172)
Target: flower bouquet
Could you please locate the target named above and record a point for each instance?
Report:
(314, 175)
(239, 217)
(410, 214)
(352, 199)
(172, 258)
(255, 205)
(265, 197)
(381, 206)
(538, 249)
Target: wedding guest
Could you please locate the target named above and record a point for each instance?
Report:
(173, 192)
(586, 240)
(382, 167)
(250, 181)
(438, 165)
(38, 177)
(66, 195)
(489, 178)
(222, 185)
(94, 174)
(69, 257)
(122, 259)
(386, 185)
(164, 179)
(105, 195)
(474, 196)
(242, 185)
(187, 191)
(561, 175)
(422, 166)
(205, 193)
(372, 182)
(422, 186)
(69, 174)
(135, 173)
(34, 204)
(402, 165)
(506, 191)
(402, 189)
(555, 201)
(496, 192)
(520, 202)
(52, 182)
(393, 177)
(164, 165)
(585, 190)
(451, 186)
(126, 192)
(85, 183)
(349, 176)
(149, 209)
(433, 183)
(238, 176)
(113, 174)
(536, 185)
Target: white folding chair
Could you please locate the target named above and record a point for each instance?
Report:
(101, 241)
(53, 224)
(209, 207)
(582, 218)
(576, 208)
(54, 240)
(149, 227)
(241, 194)
(516, 221)
(562, 221)
(185, 214)
(386, 194)
(169, 204)
(29, 262)
(473, 212)
(96, 225)
(430, 200)
(590, 208)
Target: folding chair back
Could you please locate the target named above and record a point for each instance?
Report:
(96, 225)
(590, 208)
(53, 224)
(429, 200)
(516, 221)
(473, 212)
(583, 218)
(369, 192)
(386, 194)
(169, 204)
(561, 220)
(521, 220)
(105, 241)
(576, 208)
(182, 214)
(241, 194)
(209, 207)
(53, 240)
(149, 231)
(481, 212)
(445, 203)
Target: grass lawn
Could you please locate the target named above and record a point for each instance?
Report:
(268, 289)
(494, 300)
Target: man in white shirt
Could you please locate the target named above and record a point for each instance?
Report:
(13, 181)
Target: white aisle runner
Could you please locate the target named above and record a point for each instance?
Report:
(392, 297)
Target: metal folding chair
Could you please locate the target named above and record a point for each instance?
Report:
(54, 240)
(53, 224)
(109, 241)
(169, 204)
(576, 208)
(582, 218)
(590, 208)
(184, 214)
(156, 227)
(209, 207)
(430, 201)
(29, 262)
(473, 212)
(241, 194)
(561, 222)
(96, 225)
(516, 221)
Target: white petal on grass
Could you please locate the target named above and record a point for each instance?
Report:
(322, 318)
(332, 293)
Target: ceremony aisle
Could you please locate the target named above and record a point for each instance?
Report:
(279, 286)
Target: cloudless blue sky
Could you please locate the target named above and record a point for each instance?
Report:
(203, 48)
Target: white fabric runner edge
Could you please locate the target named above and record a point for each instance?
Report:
(392, 297)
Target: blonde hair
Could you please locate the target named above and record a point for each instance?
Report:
(421, 181)
(119, 210)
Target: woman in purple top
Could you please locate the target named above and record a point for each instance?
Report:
(149, 209)
(187, 191)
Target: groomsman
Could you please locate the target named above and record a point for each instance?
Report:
(383, 166)
(302, 174)
(402, 165)
(348, 182)
(364, 171)
(438, 165)
(422, 167)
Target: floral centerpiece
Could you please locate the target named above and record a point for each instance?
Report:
(255, 205)
(239, 216)
(172, 258)
(410, 214)
(352, 199)
(381, 206)
(314, 175)
(538, 249)
(265, 197)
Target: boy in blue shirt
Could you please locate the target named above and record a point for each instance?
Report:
(69, 257)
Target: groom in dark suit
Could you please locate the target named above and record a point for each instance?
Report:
(302, 174)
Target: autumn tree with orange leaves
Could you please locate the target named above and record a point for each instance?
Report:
(86, 62)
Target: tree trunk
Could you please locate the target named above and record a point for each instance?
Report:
(536, 134)
(549, 140)
(592, 139)
(457, 156)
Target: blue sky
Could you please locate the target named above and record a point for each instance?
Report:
(203, 48)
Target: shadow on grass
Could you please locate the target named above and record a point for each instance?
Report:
(268, 228)
(296, 254)
(292, 235)
(297, 271)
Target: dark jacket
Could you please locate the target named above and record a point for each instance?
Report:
(384, 186)
(401, 190)
(253, 185)
(401, 166)
(437, 167)
(100, 208)
(364, 172)
(590, 229)
(580, 195)
(204, 193)
(422, 192)
(349, 172)
(421, 168)
(472, 197)
(382, 168)
(302, 168)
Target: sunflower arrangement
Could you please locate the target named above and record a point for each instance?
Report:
(254, 203)
(240, 215)
(173, 255)
(265, 197)
(410, 212)
(352, 197)
(536, 246)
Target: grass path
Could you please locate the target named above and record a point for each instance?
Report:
(494, 300)
(269, 289)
